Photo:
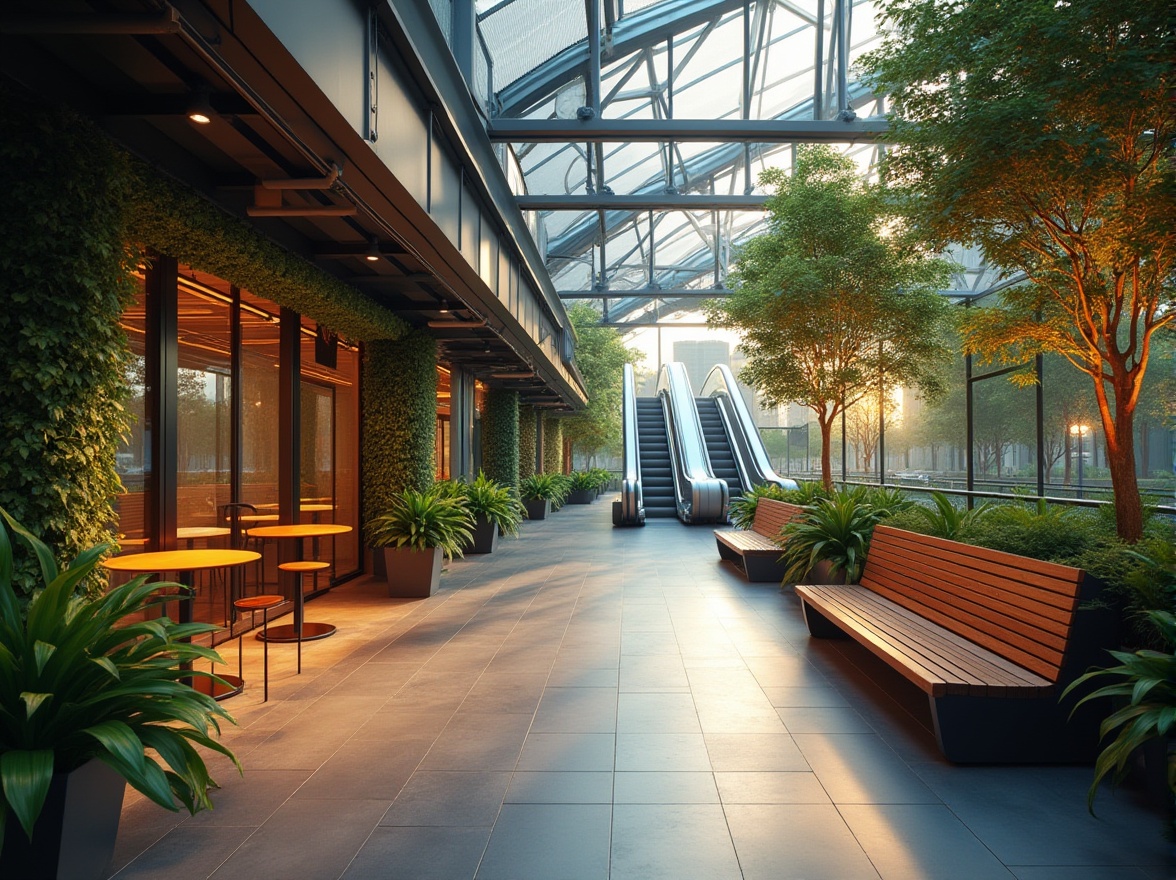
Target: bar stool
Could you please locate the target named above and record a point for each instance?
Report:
(299, 568)
(253, 604)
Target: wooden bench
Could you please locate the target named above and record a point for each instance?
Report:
(992, 639)
(757, 550)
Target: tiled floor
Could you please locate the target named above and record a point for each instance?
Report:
(591, 702)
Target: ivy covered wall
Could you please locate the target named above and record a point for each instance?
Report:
(552, 445)
(64, 282)
(399, 407)
(527, 441)
(500, 436)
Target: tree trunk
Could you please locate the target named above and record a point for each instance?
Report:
(826, 452)
(1120, 455)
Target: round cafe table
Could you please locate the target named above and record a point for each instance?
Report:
(184, 563)
(300, 630)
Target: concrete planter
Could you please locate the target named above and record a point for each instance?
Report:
(412, 574)
(821, 573)
(75, 834)
(485, 536)
(582, 496)
(538, 508)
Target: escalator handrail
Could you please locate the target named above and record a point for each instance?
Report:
(700, 496)
(751, 458)
(632, 500)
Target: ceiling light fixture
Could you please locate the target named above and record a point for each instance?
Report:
(200, 110)
(373, 251)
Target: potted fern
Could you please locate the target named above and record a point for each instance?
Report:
(495, 510)
(539, 491)
(93, 695)
(415, 531)
(582, 487)
(829, 542)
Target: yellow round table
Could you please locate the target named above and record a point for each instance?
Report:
(300, 630)
(184, 563)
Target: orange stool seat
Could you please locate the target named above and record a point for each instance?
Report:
(300, 567)
(304, 566)
(253, 604)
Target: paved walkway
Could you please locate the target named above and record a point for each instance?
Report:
(591, 702)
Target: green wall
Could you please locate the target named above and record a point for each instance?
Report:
(552, 445)
(527, 440)
(500, 437)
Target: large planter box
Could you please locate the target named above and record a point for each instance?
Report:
(75, 834)
(412, 574)
(485, 536)
(538, 508)
(582, 496)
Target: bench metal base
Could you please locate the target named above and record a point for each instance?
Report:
(756, 568)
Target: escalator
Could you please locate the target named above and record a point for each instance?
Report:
(718, 445)
(653, 447)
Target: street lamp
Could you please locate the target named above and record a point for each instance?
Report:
(1079, 431)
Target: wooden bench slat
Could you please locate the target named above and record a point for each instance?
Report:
(760, 542)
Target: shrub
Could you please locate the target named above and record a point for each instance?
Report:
(742, 510)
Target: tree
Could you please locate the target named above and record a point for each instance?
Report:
(601, 357)
(862, 430)
(831, 300)
(1041, 131)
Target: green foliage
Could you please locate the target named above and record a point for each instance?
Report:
(542, 487)
(399, 419)
(742, 510)
(600, 357)
(584, 481)
(527, 441)
(423, 520)
(553, 458)
(830, 302)
(174, 219)
(1056, 163)
(563, 488)
(493, 501)
(1040, 530)
(806, 493)
(83, 679)
(1146, 679)
(600, 478)
(500, 436)
(836, 530)
(888, 500)
(65, 278)
(944, 519)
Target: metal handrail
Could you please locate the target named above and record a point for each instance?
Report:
(700, 496)
(751, 458)
(632, 500)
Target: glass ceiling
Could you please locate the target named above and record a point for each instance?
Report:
(666, 59)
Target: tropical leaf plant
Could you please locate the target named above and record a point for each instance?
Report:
(742, 510)
(835, 530)
(583, 481)
(541, 487)
(945, 520)
(1146, 681)
(99, 678)
(495, 502)
(422, 521)
(806, 493)
(888, 500)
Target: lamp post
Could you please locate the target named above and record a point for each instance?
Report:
(1079, 431)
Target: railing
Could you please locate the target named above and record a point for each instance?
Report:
(751, 458)
(632, 502)
(699, 495)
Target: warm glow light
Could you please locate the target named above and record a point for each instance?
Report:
(199, 117)
(1078, 430)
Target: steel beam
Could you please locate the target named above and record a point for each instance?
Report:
(644, 202)
(755, 131)
(647, 293)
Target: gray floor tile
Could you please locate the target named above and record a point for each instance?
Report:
(568, 751)
(449, 798)
(754, 751)
(546, 842)
(771, 787)
(861, 769)
(576, 710)
(807, 697)
(796, 842)
(661, 751)
(555, 787)
(832, 719)
(665, 787)
(187, 851)
(672, 842)
(920, 842)
(1083, 872)
(657, 713)
(419, 854)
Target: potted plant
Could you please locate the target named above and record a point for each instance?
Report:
(495, 510)
(582, 487)
(539, 491)
(93, 696)
(563, 487)
(829, 542)
(416, 530)
(1143, 690)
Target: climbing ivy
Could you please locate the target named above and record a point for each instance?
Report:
(553, 445)
(526, 441)
(500, 437)
(399, 419)
(64, 281)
